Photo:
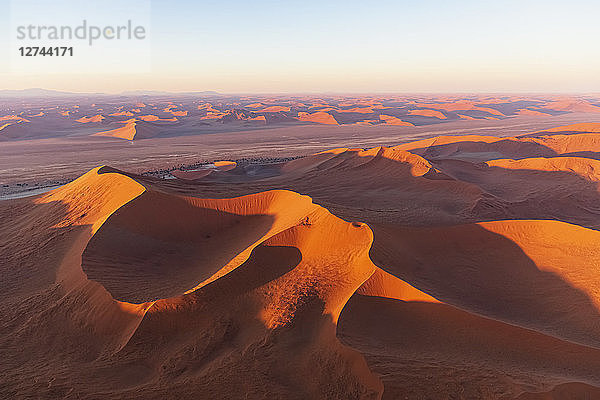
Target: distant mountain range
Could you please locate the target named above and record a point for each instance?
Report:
(39, 92)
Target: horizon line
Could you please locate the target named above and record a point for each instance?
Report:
(150, 92)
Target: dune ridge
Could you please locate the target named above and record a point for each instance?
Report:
(132, 129)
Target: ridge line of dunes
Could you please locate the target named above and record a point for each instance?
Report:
(572, 140)
(132, 129)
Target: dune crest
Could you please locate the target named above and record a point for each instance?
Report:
(320, 117)
(132, 129)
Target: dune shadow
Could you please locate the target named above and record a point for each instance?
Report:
(428, 348)
(265, 264)
(484, 272)
(468, 149)
(159, 246)
(530, 193)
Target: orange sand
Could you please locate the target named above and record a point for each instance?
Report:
(428, 113)
(319, 117)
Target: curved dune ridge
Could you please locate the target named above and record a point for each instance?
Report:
(435, 269)
(143, 128)
(572, 140)
(320, 117)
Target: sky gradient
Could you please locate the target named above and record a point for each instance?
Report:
(350, 46)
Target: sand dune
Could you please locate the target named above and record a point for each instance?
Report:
(428, 113)
(573, 105)
(122, 114)
(532, 113)
(320, 117)
(451, 267)
(132, 129)
(391, 120)
(274, 109)
(298, 264)
(589, 127)
(13, 118)
(14, 129)
(461, 105)
(95, 118)
(538, 144)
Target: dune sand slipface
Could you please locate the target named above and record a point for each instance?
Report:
(452, 267)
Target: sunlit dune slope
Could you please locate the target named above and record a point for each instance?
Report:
(589, 127)
(131, 130)
(551, 143)
(319, 117)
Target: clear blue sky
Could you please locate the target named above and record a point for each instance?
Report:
(354, 46)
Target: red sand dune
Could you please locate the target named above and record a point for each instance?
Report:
(461, 105)
(275, 109)
(207, 107)
(95, 118)
(258, 118)
(360, 110)
(588, 127)
(319, 117)
(257, 285)
(153, 118)
(532, 113)
(122, 114)
(182, 113)
(131, 129)
(573, 105)
(13, 118)
(427, 113)
(546, 143)
(391, 120)
(148, 118)
(15, 129)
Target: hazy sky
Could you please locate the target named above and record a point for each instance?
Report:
(346, 46)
